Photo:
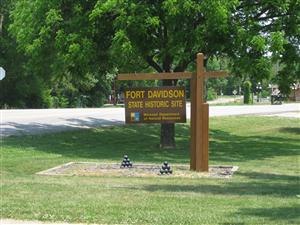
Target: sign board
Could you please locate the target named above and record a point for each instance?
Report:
(155, 105)
(199, 109)
(2, 73)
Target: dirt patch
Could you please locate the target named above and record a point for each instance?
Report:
(138, 170)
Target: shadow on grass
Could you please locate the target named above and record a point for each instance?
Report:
(140, 142)
(226, 147)
(270, 176)
(290, 213)
(292, 130)
(232, 223)
(13, 128)
(261, 184)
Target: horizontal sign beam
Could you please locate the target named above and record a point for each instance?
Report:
(155, 76)
(167, 76)
(211, 74)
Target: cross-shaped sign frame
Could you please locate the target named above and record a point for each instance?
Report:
(199, 108)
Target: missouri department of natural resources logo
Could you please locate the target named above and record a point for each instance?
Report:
(135, 117)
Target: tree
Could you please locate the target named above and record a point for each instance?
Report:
(247, 92)
(168, 34)
(16, 87)
(268, 32)
(79, 41)
(65, 50)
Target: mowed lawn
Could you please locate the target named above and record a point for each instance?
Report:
(265, 190)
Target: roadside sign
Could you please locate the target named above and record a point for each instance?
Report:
(2, 73)
(199, 108)
(155, 105)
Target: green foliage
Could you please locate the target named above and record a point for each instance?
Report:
(79, 42)
(269, 32)
(247, 92)
(265, 94)
(59, 102)
(63, 49)
(15, 87)
(170, 40)
(211, 94)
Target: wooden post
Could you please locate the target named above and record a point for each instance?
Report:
(199, 120)
(192, 122)
(205, 136)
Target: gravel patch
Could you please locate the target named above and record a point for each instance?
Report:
(137, 170)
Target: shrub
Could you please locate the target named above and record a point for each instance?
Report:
(211, 94)
(264, 94)
(247, 92)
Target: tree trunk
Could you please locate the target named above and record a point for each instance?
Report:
(1, 22)
(167, 135)
(167, 130)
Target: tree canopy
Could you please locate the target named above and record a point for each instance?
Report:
(168, 34)
(57, 51)
(66, 48)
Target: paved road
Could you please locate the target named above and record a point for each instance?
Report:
(35, 121)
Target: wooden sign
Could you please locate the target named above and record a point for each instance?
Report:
(199, 108)
(155, 105)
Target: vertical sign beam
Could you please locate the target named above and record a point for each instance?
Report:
(199, 112)
(193, 125)
(200, 79)
(205, 136)
(199, 120)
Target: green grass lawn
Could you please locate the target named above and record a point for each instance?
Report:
(263, 191)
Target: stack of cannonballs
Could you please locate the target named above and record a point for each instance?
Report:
(165, 169)
(126, 162)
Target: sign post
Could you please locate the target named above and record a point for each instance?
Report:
(199, 120)
(199, 108)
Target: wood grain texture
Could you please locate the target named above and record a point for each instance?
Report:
(155, 76)
(168, 76)
(205, 136)
(200, 76)
(193, 125)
